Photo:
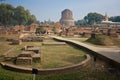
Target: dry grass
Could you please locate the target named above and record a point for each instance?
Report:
(60, 56)
(78, 39)
(104, 40)
(4, 45)
(100, 41)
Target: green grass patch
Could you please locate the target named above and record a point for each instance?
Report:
(9, 75)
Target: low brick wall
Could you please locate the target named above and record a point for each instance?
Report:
(9, 58)
(48, 71)
(24, 61)
(53, 43)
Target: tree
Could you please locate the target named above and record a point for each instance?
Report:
(115, 18)
(31, 19)
(80, 22)
(10, 15)
(38, 22)
(92, 18)
(40, 30)
(6, 14)
(20, 15)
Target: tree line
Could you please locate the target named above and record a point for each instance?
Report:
(93, 18)
(10, 15)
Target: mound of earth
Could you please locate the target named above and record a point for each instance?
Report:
(104, 40)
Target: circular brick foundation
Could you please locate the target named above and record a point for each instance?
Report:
(48, 71)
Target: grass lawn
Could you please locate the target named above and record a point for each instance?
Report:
(4, 45)
(52, 56)
(60, 56)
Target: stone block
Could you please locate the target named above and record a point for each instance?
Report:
(34, 49)
(26, 54)
(53, 43)
(36, 58)
(24, 61)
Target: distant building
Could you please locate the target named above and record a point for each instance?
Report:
(67, 18)
(106, 25)
(106, 21)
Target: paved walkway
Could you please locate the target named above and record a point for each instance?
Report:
(111, 53)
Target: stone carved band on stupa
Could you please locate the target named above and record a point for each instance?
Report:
(67, 18)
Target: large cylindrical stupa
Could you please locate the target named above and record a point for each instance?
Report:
(67, 18)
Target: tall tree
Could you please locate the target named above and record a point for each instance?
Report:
(31, 19)
(6, 14)
(20, 15)
(92, 18)
(10, 15)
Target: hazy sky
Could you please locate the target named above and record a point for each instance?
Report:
(51, 9)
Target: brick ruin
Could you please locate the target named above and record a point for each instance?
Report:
(16, 42)
(32, 39)
(62, 30)
(29, 55)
